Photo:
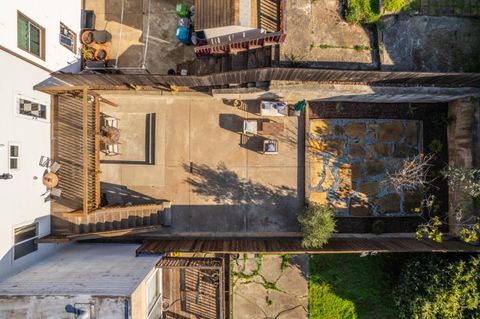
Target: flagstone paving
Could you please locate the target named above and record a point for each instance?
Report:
(348, 160)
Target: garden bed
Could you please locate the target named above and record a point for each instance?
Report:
(434, 121)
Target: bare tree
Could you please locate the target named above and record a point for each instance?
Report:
(412, 174)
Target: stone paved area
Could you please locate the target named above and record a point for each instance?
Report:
(348, 159)
(218, 185)
(270, 286)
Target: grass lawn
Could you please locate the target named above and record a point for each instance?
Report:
(351, 287)
(368, 11)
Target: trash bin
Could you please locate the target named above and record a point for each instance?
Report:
(182, 10)
(183, 22)
(183, 35)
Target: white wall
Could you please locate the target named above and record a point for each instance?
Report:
(21, 200)
(48, 14)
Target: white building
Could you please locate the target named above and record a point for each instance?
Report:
(102, 281)
(30, 48)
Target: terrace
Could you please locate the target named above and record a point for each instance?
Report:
(187, 152)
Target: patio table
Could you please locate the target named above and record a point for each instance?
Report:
(272, 128)
(50, 180)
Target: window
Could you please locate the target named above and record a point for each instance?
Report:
(68, 38)
(25, 237)
(31, 109)
(30, 36)
(14, 157)
(153, 290)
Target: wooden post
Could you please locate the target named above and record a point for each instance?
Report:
(85, 150)
(97, 152)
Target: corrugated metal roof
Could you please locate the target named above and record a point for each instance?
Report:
(92, 269)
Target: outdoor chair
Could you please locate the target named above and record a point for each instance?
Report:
(111, 150)
(44, 161)
(250, 127)
(55, 167)
(55, 192)
(270, 147)
(111, 121)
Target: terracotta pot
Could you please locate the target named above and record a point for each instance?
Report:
(101, 55)
(87, 37)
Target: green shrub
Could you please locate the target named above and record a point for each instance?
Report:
(435, 146)
(317, 224)
(401, 5)
(362, 11)
(434, 288)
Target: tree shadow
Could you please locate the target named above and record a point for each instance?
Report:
(223, 185)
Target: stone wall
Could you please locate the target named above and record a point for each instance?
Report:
(463, 150)
(348, 160)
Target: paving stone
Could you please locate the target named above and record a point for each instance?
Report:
(356, 169)
(370, 189)
(389, 203)
(359, 208)
(339, 206)
(401, 150)
(411, 133)
(271, 268)
(374, 167)
(391, 132)
(379, 150)
(356, 150)
(354, 130)
(333, 146)
(320, 127)
(319, 198)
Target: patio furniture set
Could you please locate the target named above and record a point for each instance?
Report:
(110, 136)
(267, 129)
(50, 178)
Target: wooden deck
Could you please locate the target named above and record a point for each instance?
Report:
(192, 293)
(75, 147)
(294, 246)
(215, 13)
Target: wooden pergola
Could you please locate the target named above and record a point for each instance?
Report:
(75, 144)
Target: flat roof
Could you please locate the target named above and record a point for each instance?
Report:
(96, 269)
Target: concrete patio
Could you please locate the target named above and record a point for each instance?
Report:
(219, 185)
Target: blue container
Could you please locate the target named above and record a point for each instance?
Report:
(183, 35)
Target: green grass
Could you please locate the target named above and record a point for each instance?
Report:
(368, 11)
(350, 287)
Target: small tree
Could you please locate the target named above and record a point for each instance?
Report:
(412, 174)
(317, 224)
(432, 288)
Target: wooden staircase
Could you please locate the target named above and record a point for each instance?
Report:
(111, 220)
(256, 58)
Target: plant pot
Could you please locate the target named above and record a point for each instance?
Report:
(87, 37)
(100, 55)
(88, 54)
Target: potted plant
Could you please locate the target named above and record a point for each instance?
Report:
(100, 55)
(88, 53)
(86, 37)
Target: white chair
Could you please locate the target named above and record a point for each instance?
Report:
(112, 149)
(55, 167)
(55, 192)
(250, 127)
(270, 147)
(111, 121)
(268, 108)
